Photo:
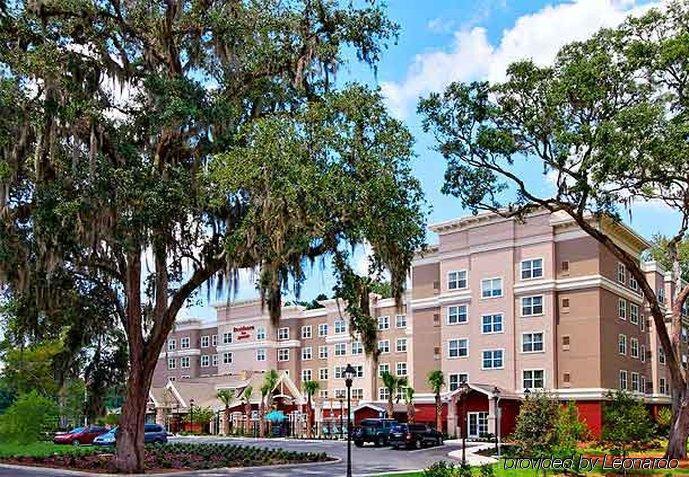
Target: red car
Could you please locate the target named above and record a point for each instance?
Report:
(80, 435)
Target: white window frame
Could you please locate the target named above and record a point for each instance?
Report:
(306, 332)
(260, 355)
(340, 349)
(227, 338)
(227, 357)
(357, 348)
(635, 382)
(184, 362)
(533, 378)
(621, 273)
(283, 355)
(531, 269)
(205, 341)
(171, 344)
(185, 342)
(458, 346)
(283, 333)
(214, 340)
(533, 333)
(642, 353)
(623, 383)
(260, 333)
(340, 327)
(632, 347)
(401, 345)
(307, 353)
(532, 307)
(173, 362)
(492, 323)
(323, 329)
(323, 374)
(383, 323)
(323, 352)
(491, 289)
(383, 367)
(306, 375)
(399, 365)
(454, 279)
(384, 346)
(622, 343)
(481, 423)
(400, 321)
(455, 316)
(215, 359)
(622, 308)
(455, 379)
(205, 361)
(493, 359)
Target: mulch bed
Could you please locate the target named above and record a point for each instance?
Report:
(177, 457)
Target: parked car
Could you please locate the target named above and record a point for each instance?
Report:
(373, 430)
(153, 434)
(79, 435)
(414, 436)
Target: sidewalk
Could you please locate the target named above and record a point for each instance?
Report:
(471, 452)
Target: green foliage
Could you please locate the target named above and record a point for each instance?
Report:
(111, 419)
(663, 420)
(436, 379)
(626, 422)
(31, 368)
(569, 429)
(72, 400)
(536, 431)
(486, 470)
(447, 469)
(226, 396)
(200, 415)
(310, 387)
(409, 395)
(659, 252)
(28, 418)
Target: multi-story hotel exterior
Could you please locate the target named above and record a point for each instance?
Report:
(505, 306)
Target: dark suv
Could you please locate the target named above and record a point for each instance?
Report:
(414, 435)
(373, 430)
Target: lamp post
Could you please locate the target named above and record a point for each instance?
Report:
(496, 398)
(191, 414)
(465, 390)
(349, 375)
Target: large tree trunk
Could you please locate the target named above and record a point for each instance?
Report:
(679, 429)
(261, 419)
(438, 414)
(411, 413)
(391, 406)
(309, 423)
(227, 421)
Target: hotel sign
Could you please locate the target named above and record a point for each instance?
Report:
(242, 332)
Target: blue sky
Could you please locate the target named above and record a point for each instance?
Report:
(446, 40)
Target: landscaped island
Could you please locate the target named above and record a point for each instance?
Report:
(158, 457)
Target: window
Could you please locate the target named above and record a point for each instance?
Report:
(533, 379)
(401, 321)
(622, 309)
(458, 348)
(622, 344)
(339, 371)
(184, 362)
(383, 394)
(214, 340)
(227, 358)
(477, 424)
(283, 354)
(340, 393)
(357, 393)
(457, 280)
(456, 314)
(634, 313)
(492, 359)
(306, 332)
(323, 329)
(306, 353)
(184, 342)
(643, 353)
(621, 273)
(171, 344)
(532, 305)
(340, 327)
(340, 349)
(491, 323)
(565, 304)
(565, 343)
(323, 374)
(633, 284)
(566, 377)
(661, 355)
(643, 384)
(401, 345)
(357, 348)
(663, 386)
(171, 378)
(171, 363)
(491, 287)
(306, 375)
(214, 359)
(532, 268)
(205, 341)
(260, 333)
(532, 342)
(383, 368)
(226, 338)
(260, 354)
(323, 352)
(401, 369)
(623, 380)
(661, 295)
(455, 379)
(634, 348)
(384, 346)
(205, 360)
(635, 382)
(564, 266)
(383, 323)
(642, 323)
(283, 334)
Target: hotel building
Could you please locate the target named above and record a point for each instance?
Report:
(504, 305)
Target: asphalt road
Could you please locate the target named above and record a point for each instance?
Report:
(365, 461)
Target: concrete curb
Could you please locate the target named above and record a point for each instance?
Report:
(51, 470)
(472, 457)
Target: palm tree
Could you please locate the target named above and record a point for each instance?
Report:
(436, 380)
(310, 388)
(409, 400)
(269, 382)
(246, 399)
(390, 383)
(226, 396)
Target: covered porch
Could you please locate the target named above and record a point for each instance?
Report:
(484, 411)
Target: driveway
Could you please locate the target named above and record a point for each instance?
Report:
(365, 461)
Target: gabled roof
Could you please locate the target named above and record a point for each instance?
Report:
(486, 389)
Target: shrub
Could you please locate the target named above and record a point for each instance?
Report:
(447, 469)
(535, 434)
(663, 421)
(626, 423)
(28, 418)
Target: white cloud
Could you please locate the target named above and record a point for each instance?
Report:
(440, 25)
(471, 56)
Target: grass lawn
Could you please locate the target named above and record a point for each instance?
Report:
(42, 449)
